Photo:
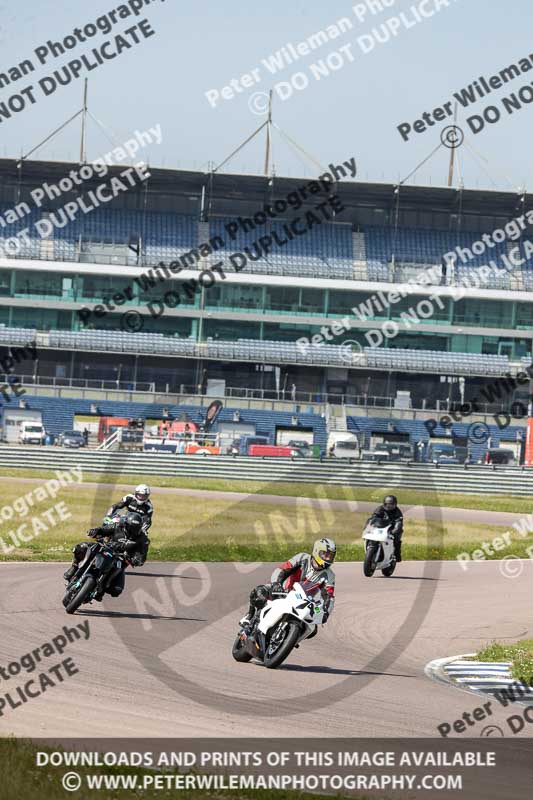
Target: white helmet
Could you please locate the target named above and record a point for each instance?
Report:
(142, 492)
(324, 552)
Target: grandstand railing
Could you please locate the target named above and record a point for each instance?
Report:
(394, 271)
(112, 442)
(273, 397)
(269, 351)
(82, 383)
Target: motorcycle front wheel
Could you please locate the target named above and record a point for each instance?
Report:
(389, 571)
(281, 642)
(81, 595)
(239, 651)
(369, 566)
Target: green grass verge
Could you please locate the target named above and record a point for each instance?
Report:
(519, 654)
(408, 497)
(23, 780)
(217, 552)
(220, 527)
(225, 529)
(252, 553)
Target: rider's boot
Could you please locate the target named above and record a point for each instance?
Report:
(247, 622)
(71, 571)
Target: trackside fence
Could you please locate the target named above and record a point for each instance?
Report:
(478, 479)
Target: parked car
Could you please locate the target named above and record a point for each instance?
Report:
(299, 444)
(302, 448)
(395, 451)
(32, 433)
(498, 455)
(234, 448)
(271, 450)
(441, 453)
(348, 448)
(379, 454)
(245, 442)
(71, 439)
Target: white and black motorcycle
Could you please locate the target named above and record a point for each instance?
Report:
(379, 551)
(282, 625)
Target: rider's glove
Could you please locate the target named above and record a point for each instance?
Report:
(93, 532)
(277, 588)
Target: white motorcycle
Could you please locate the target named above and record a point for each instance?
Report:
(379, 551)
(282, 625)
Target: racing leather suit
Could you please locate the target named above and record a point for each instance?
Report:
(297, 569)
(144, 508)
(136, 551)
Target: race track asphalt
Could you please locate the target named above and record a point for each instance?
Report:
(158, 661)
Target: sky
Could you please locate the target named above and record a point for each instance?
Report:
(376, 83)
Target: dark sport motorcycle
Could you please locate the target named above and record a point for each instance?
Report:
(95, 573)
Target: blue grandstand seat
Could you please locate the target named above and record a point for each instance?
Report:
(424, 246)
(167, 236)
(30, 243)
(326, 251)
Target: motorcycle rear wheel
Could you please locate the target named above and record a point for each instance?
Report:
(239, 651)
(369, 566)
(81, 595)
(283, 649)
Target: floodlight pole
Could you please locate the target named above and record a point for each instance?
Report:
(269, 124)
(452, 153)
(268, 134)
(83, 152)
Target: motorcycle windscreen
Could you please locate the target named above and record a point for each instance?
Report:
(376, 534)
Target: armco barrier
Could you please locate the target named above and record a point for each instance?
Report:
(474, 480)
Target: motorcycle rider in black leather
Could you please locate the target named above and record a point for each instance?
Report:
(389, 513)
(137, 501)
(126, 537)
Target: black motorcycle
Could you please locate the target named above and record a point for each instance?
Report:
(95, 573)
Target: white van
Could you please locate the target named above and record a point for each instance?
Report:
(345, 449)
(31, 433)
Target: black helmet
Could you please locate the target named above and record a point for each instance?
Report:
(132, 524)
(390, 502)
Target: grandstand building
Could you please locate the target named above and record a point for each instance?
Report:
(101, 309)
